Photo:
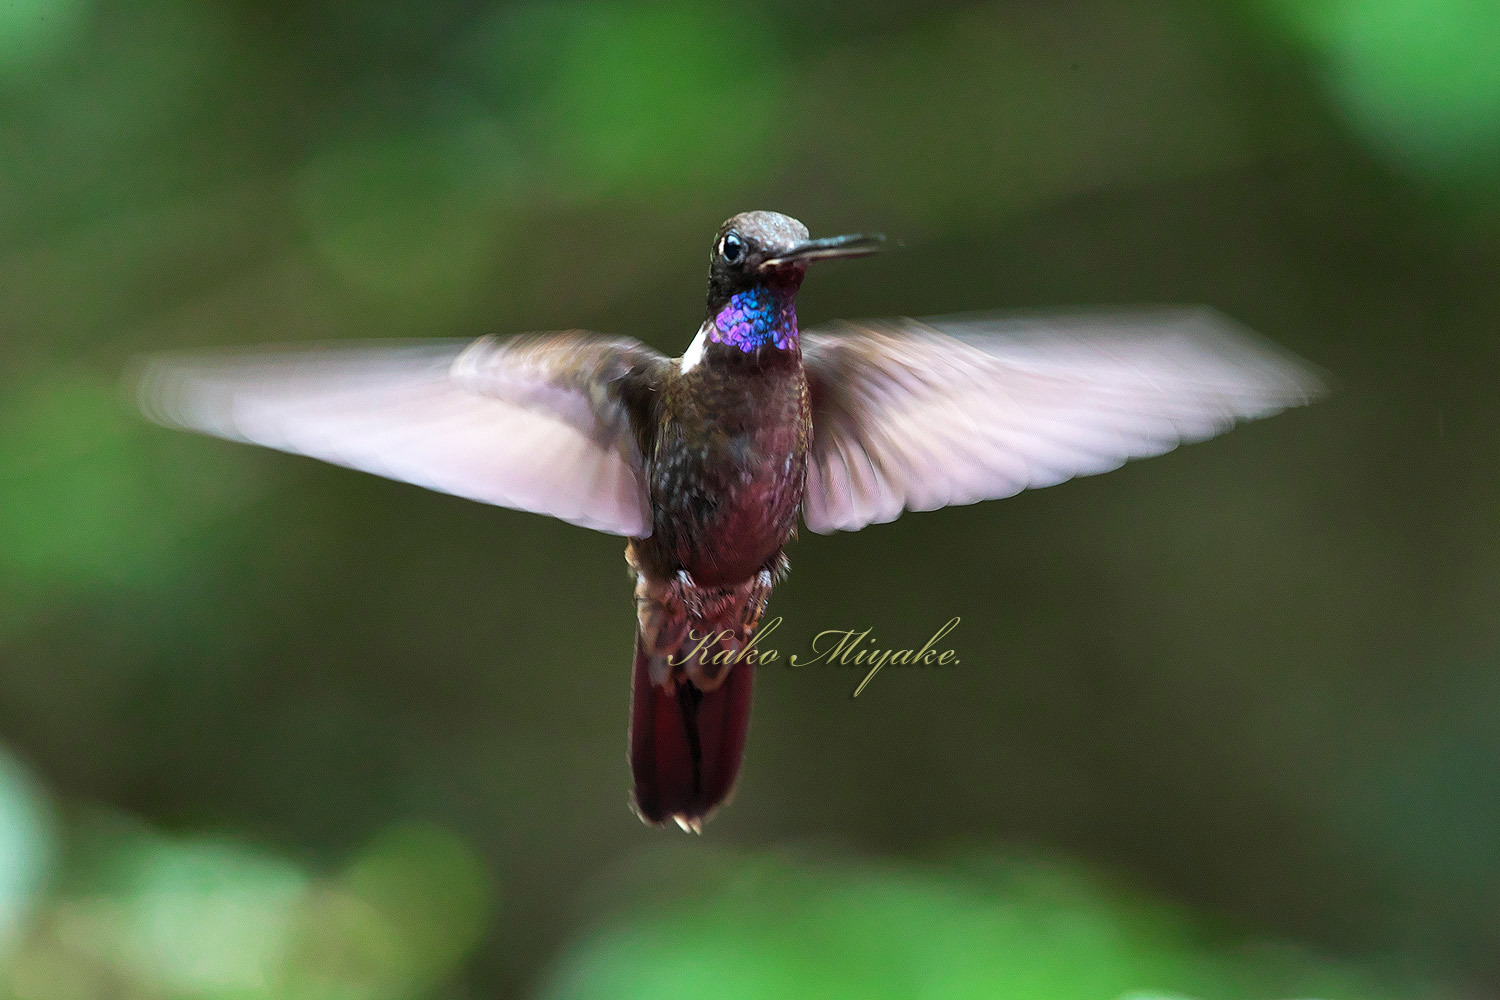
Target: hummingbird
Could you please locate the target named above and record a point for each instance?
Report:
(706, 462)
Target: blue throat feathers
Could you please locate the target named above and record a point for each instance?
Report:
(755, 318)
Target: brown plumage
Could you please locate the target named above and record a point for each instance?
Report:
(725, 474)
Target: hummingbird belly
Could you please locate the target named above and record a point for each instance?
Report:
(723, 509)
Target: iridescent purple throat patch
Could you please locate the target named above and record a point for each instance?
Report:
(756, 317)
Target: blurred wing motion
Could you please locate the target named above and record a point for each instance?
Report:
(916, 415)
(537, 422)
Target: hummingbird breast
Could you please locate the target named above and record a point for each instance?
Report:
(728, 472)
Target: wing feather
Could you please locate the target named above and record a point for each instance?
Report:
(915, 415)
(538, 423)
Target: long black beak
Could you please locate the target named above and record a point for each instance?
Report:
(853, 245)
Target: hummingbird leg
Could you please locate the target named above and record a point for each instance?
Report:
(779, 568)
(732, 614)
(695, 633)
(756, 595)
(661, 616)
(695, 598)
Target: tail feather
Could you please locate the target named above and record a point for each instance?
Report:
(685, 743)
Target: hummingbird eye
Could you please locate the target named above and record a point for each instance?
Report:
(731, 247)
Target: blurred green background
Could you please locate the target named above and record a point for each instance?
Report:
(1225, 723)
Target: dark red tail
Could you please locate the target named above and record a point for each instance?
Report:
(685, 744)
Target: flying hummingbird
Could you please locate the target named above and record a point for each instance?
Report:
(705, 462)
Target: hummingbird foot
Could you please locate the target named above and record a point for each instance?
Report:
(779, 568)
(696, 633)
(758, 593)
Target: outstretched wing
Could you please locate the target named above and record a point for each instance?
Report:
(539, 422)
(916, 415)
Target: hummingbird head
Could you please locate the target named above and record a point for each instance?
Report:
(757, 264)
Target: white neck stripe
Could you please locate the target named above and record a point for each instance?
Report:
(693, 356)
